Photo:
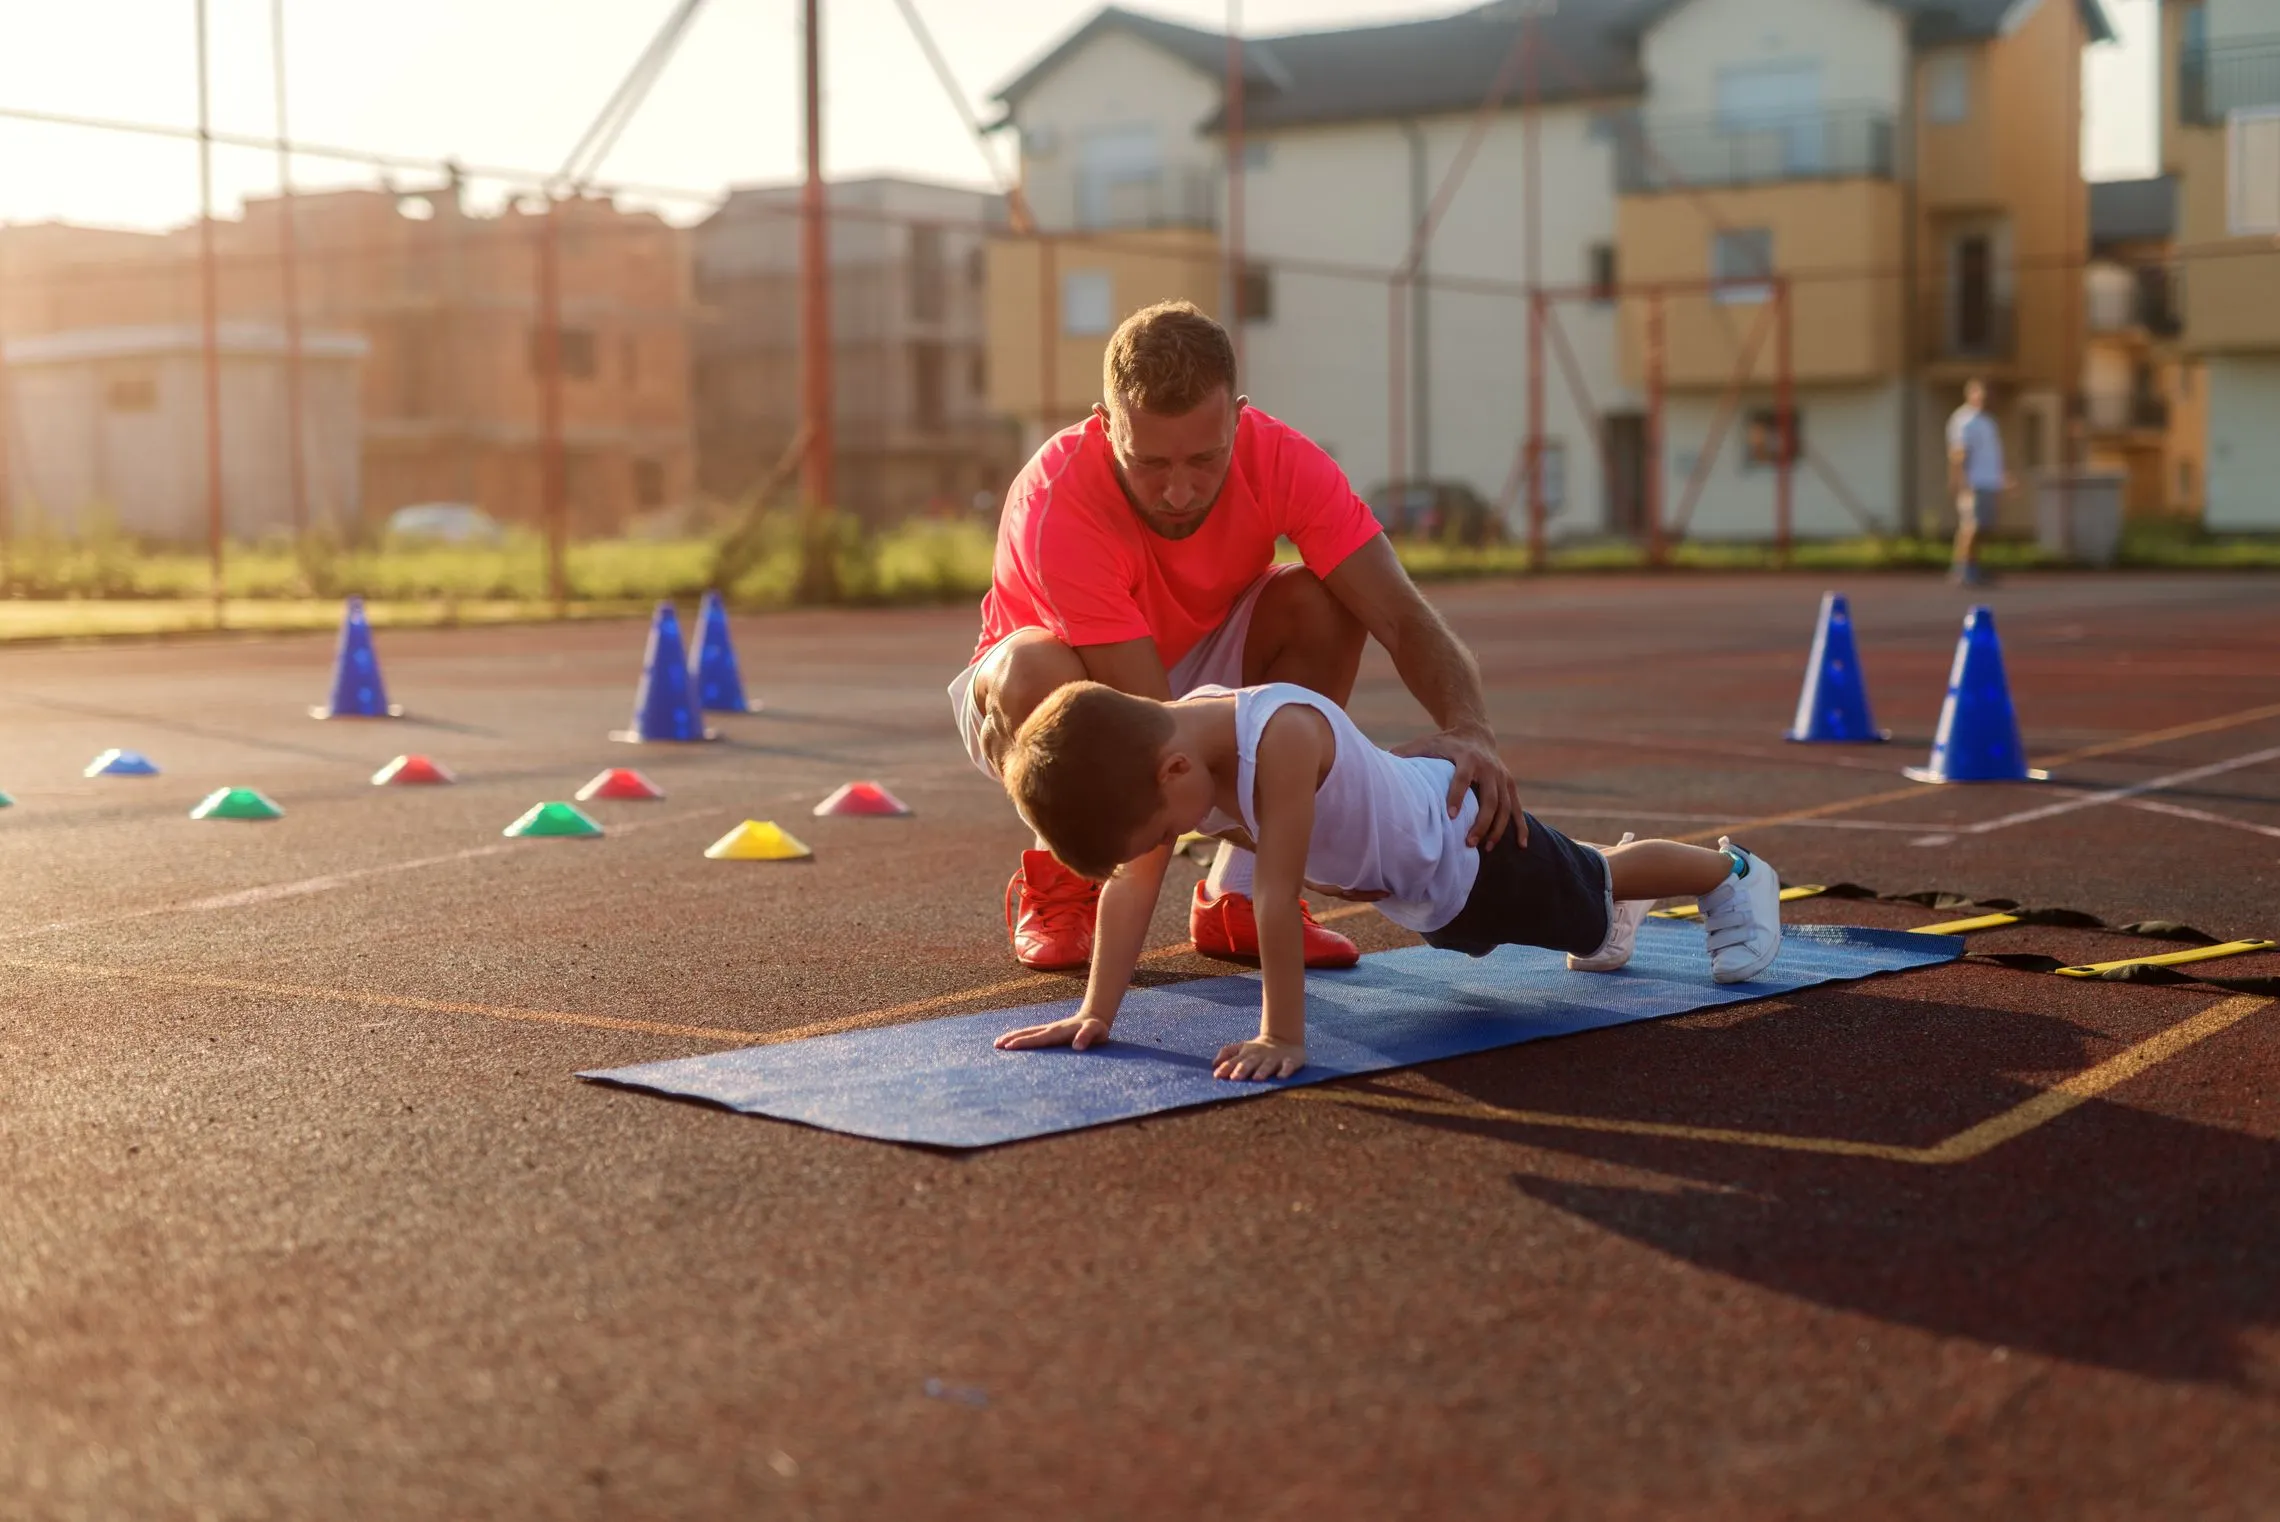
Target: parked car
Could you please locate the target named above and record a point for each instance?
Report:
(445, 523)
(1446, 510)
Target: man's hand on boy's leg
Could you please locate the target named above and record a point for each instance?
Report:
(1260, 1058)
(1078, 1031)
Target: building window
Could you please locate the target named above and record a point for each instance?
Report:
(1742, 254)
(1602, 260)
(1552, 475)
(2253, 154)
(928, 372)
(577, 352)
(1255, 154)
(926, 271)
(1088, 304)
(131, 393)
(1255, 294)
(648, 483)
(1761, 442)
(2184, 483)
(1947, 89)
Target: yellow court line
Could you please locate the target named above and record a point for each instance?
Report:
(2082, 1087)
(1962, 1147)
(1960, 927)
(2103, 748)
(384, 1000)
(1694, 911)
(2169, 958)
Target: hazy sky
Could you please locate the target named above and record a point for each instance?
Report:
(514, 82)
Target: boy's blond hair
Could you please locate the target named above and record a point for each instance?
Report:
(1082, 770)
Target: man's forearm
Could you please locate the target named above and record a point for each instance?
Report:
(1439, 672)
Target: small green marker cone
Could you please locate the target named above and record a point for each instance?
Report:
(6, 802)
(564, 819)
(236, 803)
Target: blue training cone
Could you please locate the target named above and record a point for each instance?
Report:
(1834, 705)
(665, 706)
(357, 691)
(1978, 739)
(720, 686)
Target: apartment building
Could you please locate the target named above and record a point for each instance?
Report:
(1906, 169)
(2221, 138)
(447, 304)
(914, 431)
(2143, 397)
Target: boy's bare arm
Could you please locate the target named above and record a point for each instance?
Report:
(1127, 903)
(1292, 751)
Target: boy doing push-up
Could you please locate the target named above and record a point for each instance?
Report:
(1111, 782)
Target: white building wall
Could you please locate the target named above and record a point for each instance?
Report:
(2243, 393)
(1345, 194)
(1113, 81)
(1862, 47)
(1856, 430)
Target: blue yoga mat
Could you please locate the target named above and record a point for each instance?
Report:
(941, 1083)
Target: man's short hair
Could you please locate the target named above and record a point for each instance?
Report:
(1082, 770)
(1167, 359)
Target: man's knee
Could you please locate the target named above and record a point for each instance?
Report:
(1296, 612)
(1022, 673)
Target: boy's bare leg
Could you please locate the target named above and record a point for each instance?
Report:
(1666, 869)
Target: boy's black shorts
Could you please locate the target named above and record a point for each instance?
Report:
(1551, 892)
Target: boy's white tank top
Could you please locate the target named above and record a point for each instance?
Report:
(1381, 821)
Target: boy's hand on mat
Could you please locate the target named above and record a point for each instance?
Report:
(1480, 769)
(1264, 1057)
(1079, 1031)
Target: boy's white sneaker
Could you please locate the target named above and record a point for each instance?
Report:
(1743, 918)
(1622, 932)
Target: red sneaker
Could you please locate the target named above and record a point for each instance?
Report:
(1224, 927)
(1052, 928)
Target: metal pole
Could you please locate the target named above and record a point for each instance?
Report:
(1234, 113)
(289, 271)
(1651, 476)
(1531, 253)
(210, 348)
(1536, 430)
(1396, 397)
(553, 483)
(1048, 338)
(819, 578)
(1785, 419)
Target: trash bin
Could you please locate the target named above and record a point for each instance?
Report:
(2078, 514)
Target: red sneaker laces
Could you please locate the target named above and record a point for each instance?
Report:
(1049, 911)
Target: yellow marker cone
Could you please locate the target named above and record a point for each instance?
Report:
(758, 840)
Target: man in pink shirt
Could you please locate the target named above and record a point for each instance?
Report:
(1137, 549)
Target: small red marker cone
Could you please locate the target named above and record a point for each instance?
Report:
(412, 771)
(862, 798)
(619, 782)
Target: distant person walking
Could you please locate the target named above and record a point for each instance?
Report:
(1976, 477)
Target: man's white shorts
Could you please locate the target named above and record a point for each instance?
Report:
(1216, 661)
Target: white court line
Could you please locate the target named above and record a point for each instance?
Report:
(2157, 806)
(2093, 800)
(1667, 818)
(300, 887)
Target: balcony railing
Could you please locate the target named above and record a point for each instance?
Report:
(2122, 412)
(1670, 153)
(1171, 196)
(2121, 300)
(2218, 78)
(1973, 330)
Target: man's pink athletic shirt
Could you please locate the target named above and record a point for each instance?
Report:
(1074, 559)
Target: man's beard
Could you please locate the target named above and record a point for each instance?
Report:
(1184, 529)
